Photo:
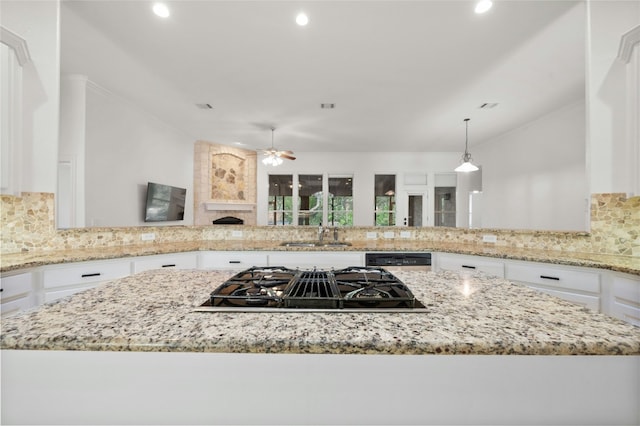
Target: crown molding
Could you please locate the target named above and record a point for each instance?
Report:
(628, 41)
(17, 43)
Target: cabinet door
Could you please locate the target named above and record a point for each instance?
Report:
(166, 261)
(456, 262)
(16, 293)
(62, 280)
(624, 300)
(316, 259)
(569, 283)
(84, 272)
(231, 259)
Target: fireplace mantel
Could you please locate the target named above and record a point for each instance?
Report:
(228, 206)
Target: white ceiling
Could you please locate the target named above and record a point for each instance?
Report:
(403, 74)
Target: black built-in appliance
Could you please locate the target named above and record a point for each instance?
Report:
(277, 288)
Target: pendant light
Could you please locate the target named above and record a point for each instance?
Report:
(466, 165)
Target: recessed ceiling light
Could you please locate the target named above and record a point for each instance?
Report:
(483, 5)
(161, 10)
(327, 106)
(302, 19)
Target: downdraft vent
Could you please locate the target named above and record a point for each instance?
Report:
(204, 106)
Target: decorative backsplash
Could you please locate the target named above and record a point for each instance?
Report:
(28, 224)
(223, 173)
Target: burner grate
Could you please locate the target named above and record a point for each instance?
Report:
(313, 289)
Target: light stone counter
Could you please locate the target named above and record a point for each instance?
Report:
(467, 314)
(620, 263)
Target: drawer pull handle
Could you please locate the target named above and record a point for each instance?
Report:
(95, 274)
(548, 277)
(169, 265)
(468, 266)
(234, 261)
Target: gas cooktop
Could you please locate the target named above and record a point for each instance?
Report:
(280, 289)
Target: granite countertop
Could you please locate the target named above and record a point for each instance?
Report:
(626, 264)
(467, 314)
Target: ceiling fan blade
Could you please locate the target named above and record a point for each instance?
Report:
(287, 152)
(287, 156)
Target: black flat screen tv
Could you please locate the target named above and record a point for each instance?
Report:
(164, 203)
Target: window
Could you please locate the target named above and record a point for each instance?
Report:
(385, 200)
(340, 201)
(280, 200)
(310, 200)
(445, 206)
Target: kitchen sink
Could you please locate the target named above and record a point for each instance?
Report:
(299, 244)
(336, 244)
(315, 244)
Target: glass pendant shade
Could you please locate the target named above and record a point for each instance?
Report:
(467, 165)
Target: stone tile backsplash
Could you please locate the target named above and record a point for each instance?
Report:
(28, 224)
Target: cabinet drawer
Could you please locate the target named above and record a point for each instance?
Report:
(177, 261)
(625, 299)
(84, 273)
(591, 302)
(555, 277)
(449, 262)
(50, 296)
(231, 260)
(16, 305)
(15, 285)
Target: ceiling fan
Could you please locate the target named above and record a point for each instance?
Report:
(273, 157)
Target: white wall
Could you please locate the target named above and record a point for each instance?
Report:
(612, 146)
(37, 22)
(70, 202)
(126, 148)
(534, 177)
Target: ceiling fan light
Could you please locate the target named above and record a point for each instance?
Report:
(272, 160)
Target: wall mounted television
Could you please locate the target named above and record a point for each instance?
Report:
(164, 203)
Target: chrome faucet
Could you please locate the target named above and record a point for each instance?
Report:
(335, 233)
(320, 232)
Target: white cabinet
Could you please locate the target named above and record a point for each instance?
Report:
(63, 280)
(574, 284)
(624, 297)
(232, 259)
(459, 262)
(166, 261)
(316, 259)
(16, 293)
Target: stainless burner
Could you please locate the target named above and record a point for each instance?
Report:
(353, 289)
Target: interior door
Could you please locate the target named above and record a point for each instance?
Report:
(414, 206)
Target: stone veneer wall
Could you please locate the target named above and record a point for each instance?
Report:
(28, 224)
(223, 173)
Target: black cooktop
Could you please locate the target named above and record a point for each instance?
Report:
(280, 289)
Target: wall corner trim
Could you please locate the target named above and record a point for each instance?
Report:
(17, 43)
(628, 41)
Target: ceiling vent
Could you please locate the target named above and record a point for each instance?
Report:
(204, 106)
(488, 105)
(327, 106)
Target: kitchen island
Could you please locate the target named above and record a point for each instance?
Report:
(446, 365)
